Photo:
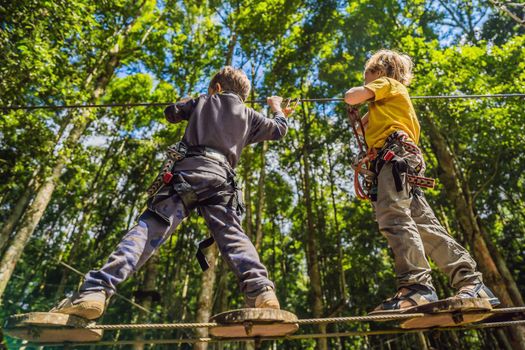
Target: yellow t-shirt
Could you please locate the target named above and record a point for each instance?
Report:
(390, 111)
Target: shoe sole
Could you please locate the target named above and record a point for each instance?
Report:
(268, 306)
(84, 310)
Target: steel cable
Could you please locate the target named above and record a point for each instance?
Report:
(295, 337)
(308, 321)
(258, 101)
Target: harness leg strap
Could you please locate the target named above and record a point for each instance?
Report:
(201, 258)
(399, 166)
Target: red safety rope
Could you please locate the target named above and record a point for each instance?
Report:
(367, 155)
(370, 154)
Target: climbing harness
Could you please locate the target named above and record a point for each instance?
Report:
(175, 153)
(398, 142)
(232, 197)
(369, 162)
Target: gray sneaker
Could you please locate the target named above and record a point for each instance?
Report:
(478, 290)
(88, 304)
(265, 299)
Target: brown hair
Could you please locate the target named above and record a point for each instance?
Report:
(232, 80)
(391, 64)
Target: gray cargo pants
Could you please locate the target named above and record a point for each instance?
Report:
(159, 221)
(413, 231)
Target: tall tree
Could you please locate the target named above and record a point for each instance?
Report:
(96, 82)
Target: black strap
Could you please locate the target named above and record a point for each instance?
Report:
(399, 166)
(201, 258)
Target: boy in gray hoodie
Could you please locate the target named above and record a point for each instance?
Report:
(202, 176)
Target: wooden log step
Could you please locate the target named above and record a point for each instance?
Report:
(50, 327)
(254, 323)
(451, 312)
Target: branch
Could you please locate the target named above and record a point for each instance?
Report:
(503, 8)
(457, 20)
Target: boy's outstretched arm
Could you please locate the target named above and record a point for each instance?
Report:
(263, 128)
(358, 94)
(179, 111)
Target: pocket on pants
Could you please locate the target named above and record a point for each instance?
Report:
(162, 203)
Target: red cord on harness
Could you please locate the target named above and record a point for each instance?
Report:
(354, 117)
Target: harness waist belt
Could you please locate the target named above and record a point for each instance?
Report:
(421, 181)
(208, 152)
(414, 180)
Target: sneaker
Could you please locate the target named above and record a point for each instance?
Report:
(266, 299)
(406, 298)
(478, 290)
(88, 304)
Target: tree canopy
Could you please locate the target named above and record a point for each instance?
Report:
(73, 180)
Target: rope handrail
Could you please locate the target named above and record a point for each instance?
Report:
(308, 321)
(297, 336)
(116, 294)
(259, 101)
(214, 324)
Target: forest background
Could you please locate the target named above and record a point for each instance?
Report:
(73, 180)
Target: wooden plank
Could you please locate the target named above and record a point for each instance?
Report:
(450, 312)
(254, 323)
(454, 304)
(506, 314)
(50, 327)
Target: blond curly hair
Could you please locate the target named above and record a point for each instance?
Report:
(391, 64)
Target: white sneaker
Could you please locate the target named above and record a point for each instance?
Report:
(266, 299)
(89, 304)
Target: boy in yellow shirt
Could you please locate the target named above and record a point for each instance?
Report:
(402, 212)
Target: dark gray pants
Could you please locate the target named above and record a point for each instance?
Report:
(158, 222)
(413, 232)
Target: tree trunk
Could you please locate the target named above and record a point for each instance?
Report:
(246, 175)
(340, 253)
(30, 221)
(23, 201)
(223, 291)
(15, 216)
(259, 207)
(205, 302)
(495, 272)
(43, 196)
(311, 239)
(146, 293)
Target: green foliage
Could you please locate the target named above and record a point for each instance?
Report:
(56, 52)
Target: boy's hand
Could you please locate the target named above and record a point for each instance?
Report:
(290, 106)
(275, 103)
(184, 99)
(288, 111)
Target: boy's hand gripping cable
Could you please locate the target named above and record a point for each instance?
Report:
(290, 105)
